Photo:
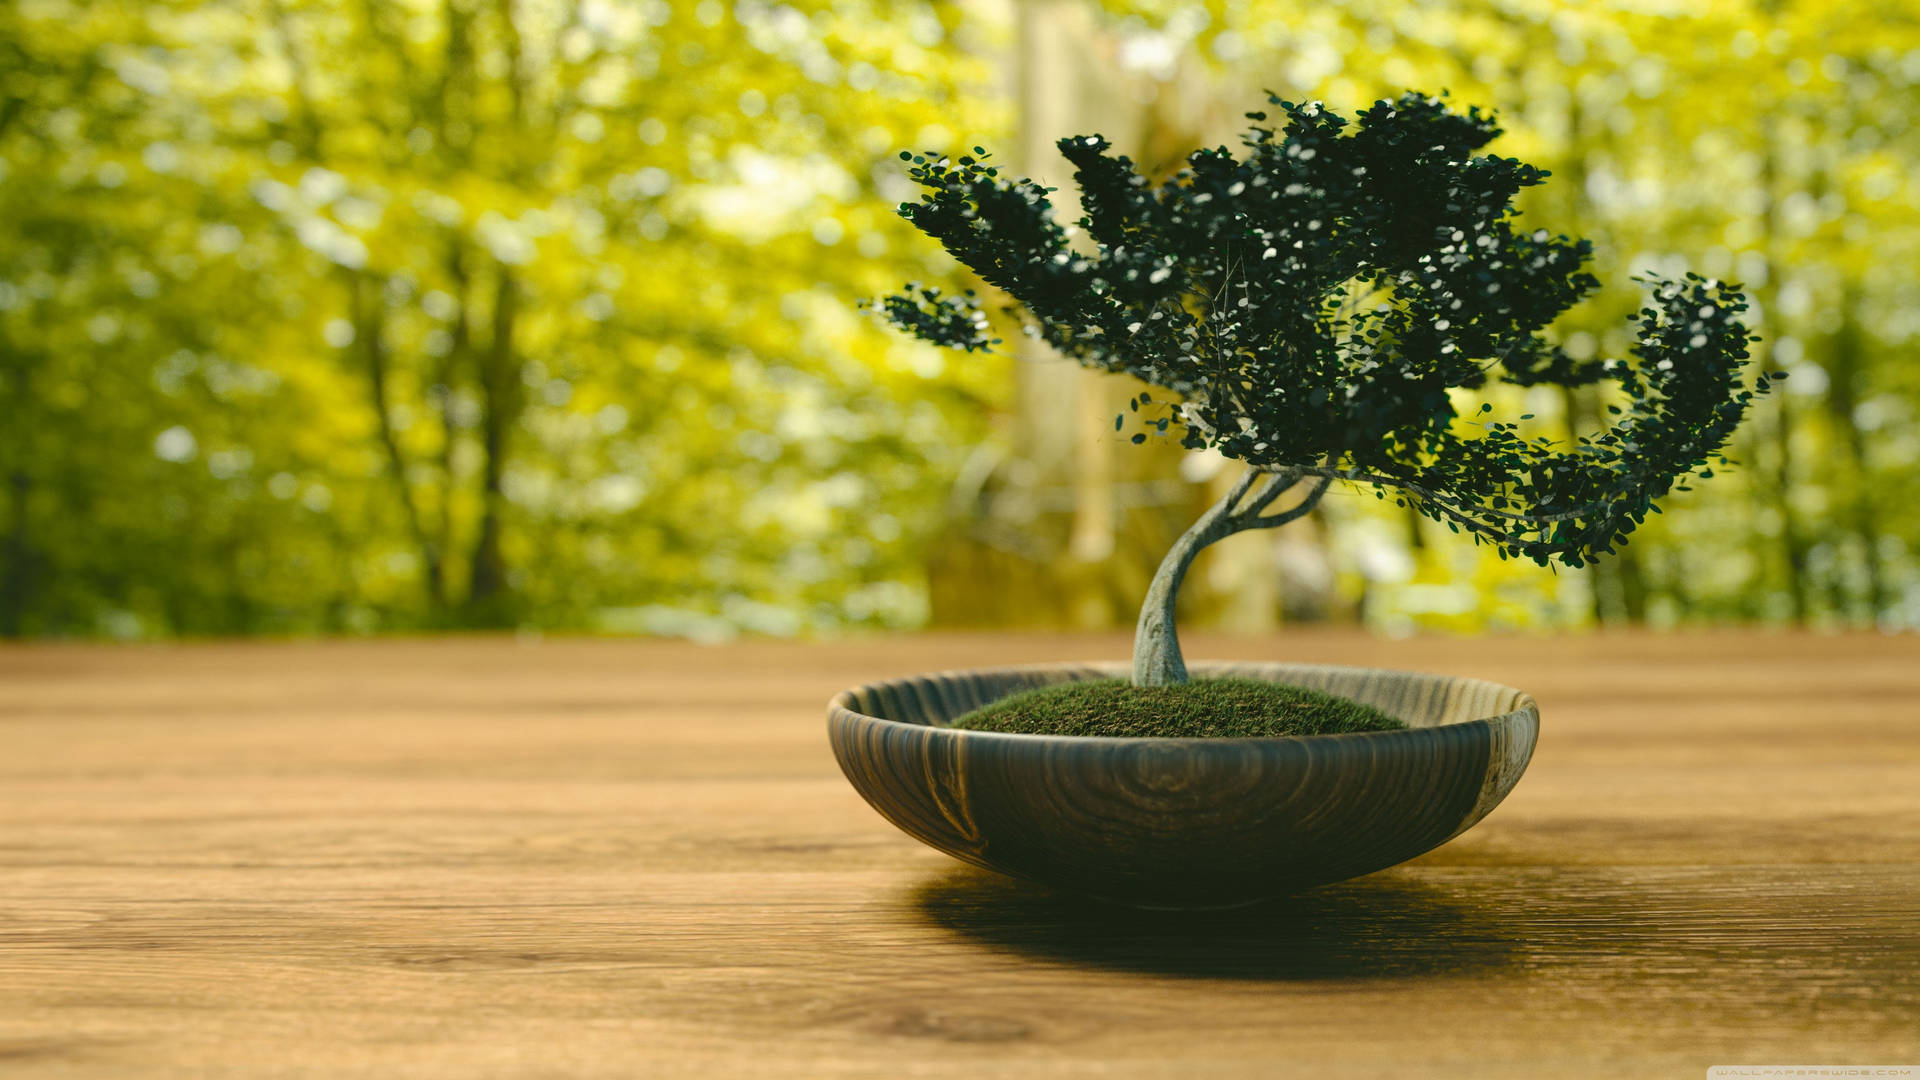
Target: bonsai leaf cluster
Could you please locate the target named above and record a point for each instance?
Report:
(1309, 303)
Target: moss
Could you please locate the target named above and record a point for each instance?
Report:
(1204, 708)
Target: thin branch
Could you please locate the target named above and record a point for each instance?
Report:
(1300, 510)
(1283, 481)
(1238, 491)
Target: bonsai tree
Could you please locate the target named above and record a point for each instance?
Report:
(1309, 304)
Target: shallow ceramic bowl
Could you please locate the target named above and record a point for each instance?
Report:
(1185, 823)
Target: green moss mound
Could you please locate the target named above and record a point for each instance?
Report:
(1204, 709)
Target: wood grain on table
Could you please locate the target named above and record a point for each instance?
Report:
(487, 857)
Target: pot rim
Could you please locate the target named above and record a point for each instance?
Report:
(844, 702)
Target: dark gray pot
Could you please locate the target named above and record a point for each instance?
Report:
(1185, 823)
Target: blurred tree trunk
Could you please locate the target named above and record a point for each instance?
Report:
(448, 105)
(1036, 520)
(1793, 545)
(1068, 528)
(16, 576)
(1616, 583)
(366, 310)
(501, 399)
(1056, 400)
(502, 394)
(1845, 390)
(16, 555)
(366, 313)
(455, 365)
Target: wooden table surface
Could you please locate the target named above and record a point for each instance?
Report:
(485, 857)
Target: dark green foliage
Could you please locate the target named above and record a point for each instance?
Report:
(1311, 301)
(1204, 708)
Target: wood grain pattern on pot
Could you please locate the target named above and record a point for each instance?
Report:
(604, 859)
(1184, 822)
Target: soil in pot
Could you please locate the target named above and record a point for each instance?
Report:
(1203, 708)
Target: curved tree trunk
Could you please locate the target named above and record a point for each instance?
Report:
(1156, 639)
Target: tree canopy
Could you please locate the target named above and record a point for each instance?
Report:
(1313, 301)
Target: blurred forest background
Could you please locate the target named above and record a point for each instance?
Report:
(350, 316)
